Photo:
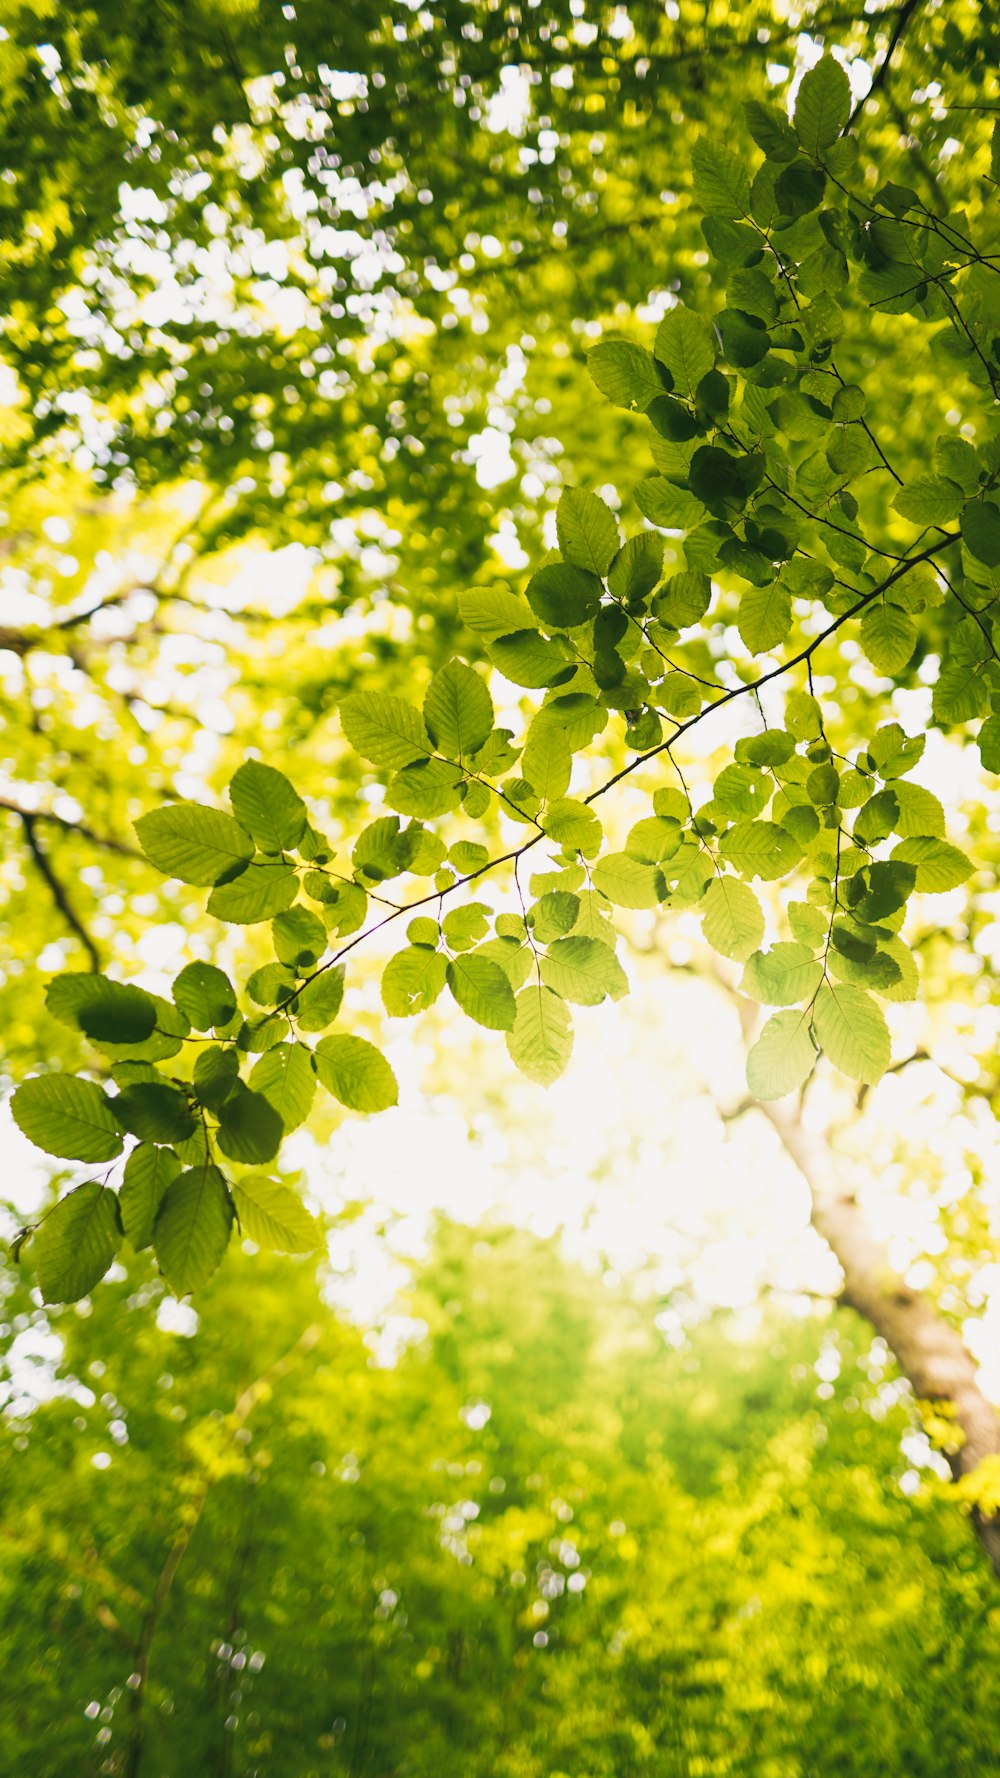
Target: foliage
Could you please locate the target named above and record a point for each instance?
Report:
(541, 1542)
(775, 527)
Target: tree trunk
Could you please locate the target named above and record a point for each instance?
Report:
(926, 1347)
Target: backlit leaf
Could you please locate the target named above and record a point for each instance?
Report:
(783, 1056)
(68, 1117)
(267, 806)
(273, 1216)
(458, 710)
(194, 843)
(541, 1039)
(587, 530)
(356, 1073)
(191, 1231)
(852, 1031)
(483, 991)
(733, 922)
(76, 1243)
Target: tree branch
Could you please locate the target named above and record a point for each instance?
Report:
(57, 891)
(903, 17)
(929, 1351)
(67, 826)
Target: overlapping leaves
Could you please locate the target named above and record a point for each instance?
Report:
(752, 525)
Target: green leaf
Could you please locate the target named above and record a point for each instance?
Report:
(512, 956)
(106, 1011)
(919, 811)
(783, 1057)
(74, 1246)
(148, 1172)
(733, 922)
(216, 1072)
(684, 600)
(464, 925)
(111, 1007)
(771, 131)
(624, 373)
(249, 1127)
(525, 658)
(356, 1073)
(765, 616)
(653, 839)
(583, 970)
(205, 995)
(876, 820)
(467, 857)
(284, 1077)
(803, 715)
(892, 752)
(67, 1117)
(628, 883)
(563, 595)
(191, 1231)
(822, 105)
(587, 530)
(638, 566)
(980, 528)
(573, 825)
(412, 981)
(384, 729)
(268, 807)
(785, 975)
(742, 790)
(685, 345)
(888, 637)
(155, 1112)
(196, 844)
(960, 695)
(547, 761)
(721, 180)
(809, 924)
(663, 503)
(318, 1003)
(273, 1216)
(879, 970)
(541, 1039)
(760, 849)
(260, 892)
(890, 882)
(745, 339)
(483, 991)
(427, 788)
(552, 917)
(494, 611)
(458, 710)
(270, 984)
(989, 744)
(929, 500)
(299, 937)
(852, 1031)
(906, 988)
(798, 189)
(939, 866)
(579, 716)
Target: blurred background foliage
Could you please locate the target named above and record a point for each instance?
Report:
(542, 1542)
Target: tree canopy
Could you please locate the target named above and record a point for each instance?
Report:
(493, 491)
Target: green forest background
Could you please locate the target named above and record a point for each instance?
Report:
(604, 1468)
